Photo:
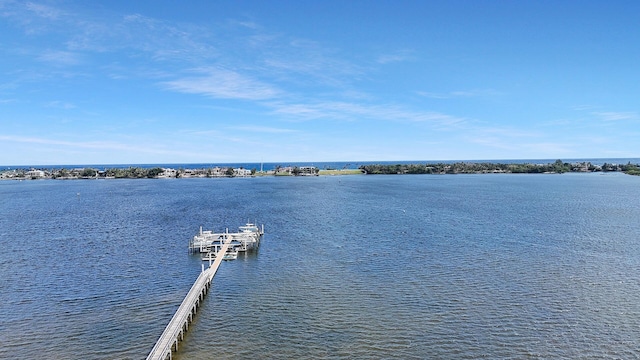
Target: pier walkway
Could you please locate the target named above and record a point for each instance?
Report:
(179, 324)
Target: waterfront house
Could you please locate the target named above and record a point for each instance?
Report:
(308, 170)
(35, 174)
(241, 172)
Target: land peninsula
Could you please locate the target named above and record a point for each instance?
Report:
(557, 167)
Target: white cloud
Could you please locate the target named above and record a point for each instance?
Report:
(248, 24)
(60, 57)
(104, 148)
(475, 93)
(44, 11)
(354, 111)
(400, 56)
(583, 107)
(616, 116)
(433, 95)
(60, 105)
(105, 145)
(224, 84)
(262, 129)
(459, 94)
(34, 18)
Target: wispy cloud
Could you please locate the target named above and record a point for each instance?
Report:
(224, 84)
(60, 105)
(400, 56)
(248, 24)
(44, 11)
(308, 63)
(103, 31)
(34, 18)
(201, 132)
(475, 93)
(583, 107)
(433, 95)
(524, 148)
(106, 147)
(459, 94)
(320, 70)
(616, 116)
(294, 60)
(548, 149)
(356, 111)
(80, 144)
(507, 132)
(263, 129)
(158, 44)
(166, 41)
(58, 57)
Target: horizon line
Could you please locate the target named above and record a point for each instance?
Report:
(312, 162)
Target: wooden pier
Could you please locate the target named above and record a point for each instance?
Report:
(179, 324)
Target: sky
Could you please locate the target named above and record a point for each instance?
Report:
(224, 81)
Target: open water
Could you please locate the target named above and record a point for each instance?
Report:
(351, 267)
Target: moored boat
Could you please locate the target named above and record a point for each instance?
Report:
(250, 228)
(230, 255)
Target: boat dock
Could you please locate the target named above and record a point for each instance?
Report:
(209, 242)
(179, 324)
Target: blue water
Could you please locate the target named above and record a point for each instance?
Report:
(404, 267)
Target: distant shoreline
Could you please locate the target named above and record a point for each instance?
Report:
(322, 165)
(441, 168)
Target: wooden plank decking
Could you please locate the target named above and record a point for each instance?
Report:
(179, 324)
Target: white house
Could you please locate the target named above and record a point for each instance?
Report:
(35, 174)
(242, 172)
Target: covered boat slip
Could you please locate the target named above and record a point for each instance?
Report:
(230, 254)
(247, 238)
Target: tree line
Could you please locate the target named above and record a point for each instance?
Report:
(558, 167)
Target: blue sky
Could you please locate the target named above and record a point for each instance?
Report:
(113, 82)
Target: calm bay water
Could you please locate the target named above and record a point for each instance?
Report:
(405, 267)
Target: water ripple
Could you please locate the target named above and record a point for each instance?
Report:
(351, 267)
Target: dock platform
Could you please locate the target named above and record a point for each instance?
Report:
(179, 324)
